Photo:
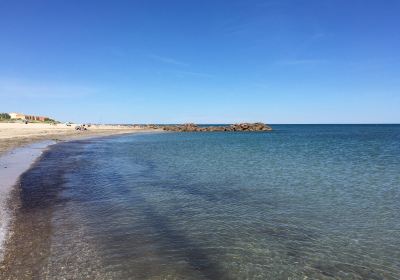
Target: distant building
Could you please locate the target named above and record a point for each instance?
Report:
(19, 116)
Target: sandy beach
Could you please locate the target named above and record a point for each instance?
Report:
(13, 135)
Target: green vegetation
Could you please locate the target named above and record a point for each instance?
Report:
(48, 120)
(4, 116)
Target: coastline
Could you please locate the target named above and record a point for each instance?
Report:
(85, 206)
(12, 165)
(13, 135)
(17, 155)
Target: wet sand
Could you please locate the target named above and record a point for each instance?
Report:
(12, 165)
(21, 145)
(29, 232)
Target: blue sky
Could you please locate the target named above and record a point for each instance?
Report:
(277, 61)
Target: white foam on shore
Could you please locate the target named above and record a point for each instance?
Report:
(12, 165)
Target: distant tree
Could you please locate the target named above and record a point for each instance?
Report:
(4, 116)
(50, 120)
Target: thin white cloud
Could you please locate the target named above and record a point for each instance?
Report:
(302, 61)
(261, 85)
(167, 60)
(26, 89)
(194, 74)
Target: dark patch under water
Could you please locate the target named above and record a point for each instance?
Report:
(316, 201)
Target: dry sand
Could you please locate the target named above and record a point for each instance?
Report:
(13, 135)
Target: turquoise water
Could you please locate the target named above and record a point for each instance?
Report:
(304, 201)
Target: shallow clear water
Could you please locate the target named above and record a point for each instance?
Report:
(316, 201)
(12, 164)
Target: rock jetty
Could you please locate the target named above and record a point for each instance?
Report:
(191, 127)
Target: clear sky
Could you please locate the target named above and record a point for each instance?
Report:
(205, 61)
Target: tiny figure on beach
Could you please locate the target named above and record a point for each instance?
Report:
(80, 127)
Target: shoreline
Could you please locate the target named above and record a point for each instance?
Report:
(12, 165)
(129, 208)
(13, 135)
(19, 156)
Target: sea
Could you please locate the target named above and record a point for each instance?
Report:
(300, 202)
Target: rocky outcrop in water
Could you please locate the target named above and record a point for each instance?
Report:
(191, 127)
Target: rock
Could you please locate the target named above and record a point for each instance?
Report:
(191, 127)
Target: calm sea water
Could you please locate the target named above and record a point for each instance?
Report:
(304, 201)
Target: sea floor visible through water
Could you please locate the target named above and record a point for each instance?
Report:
(12, 165)
(303, 201)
